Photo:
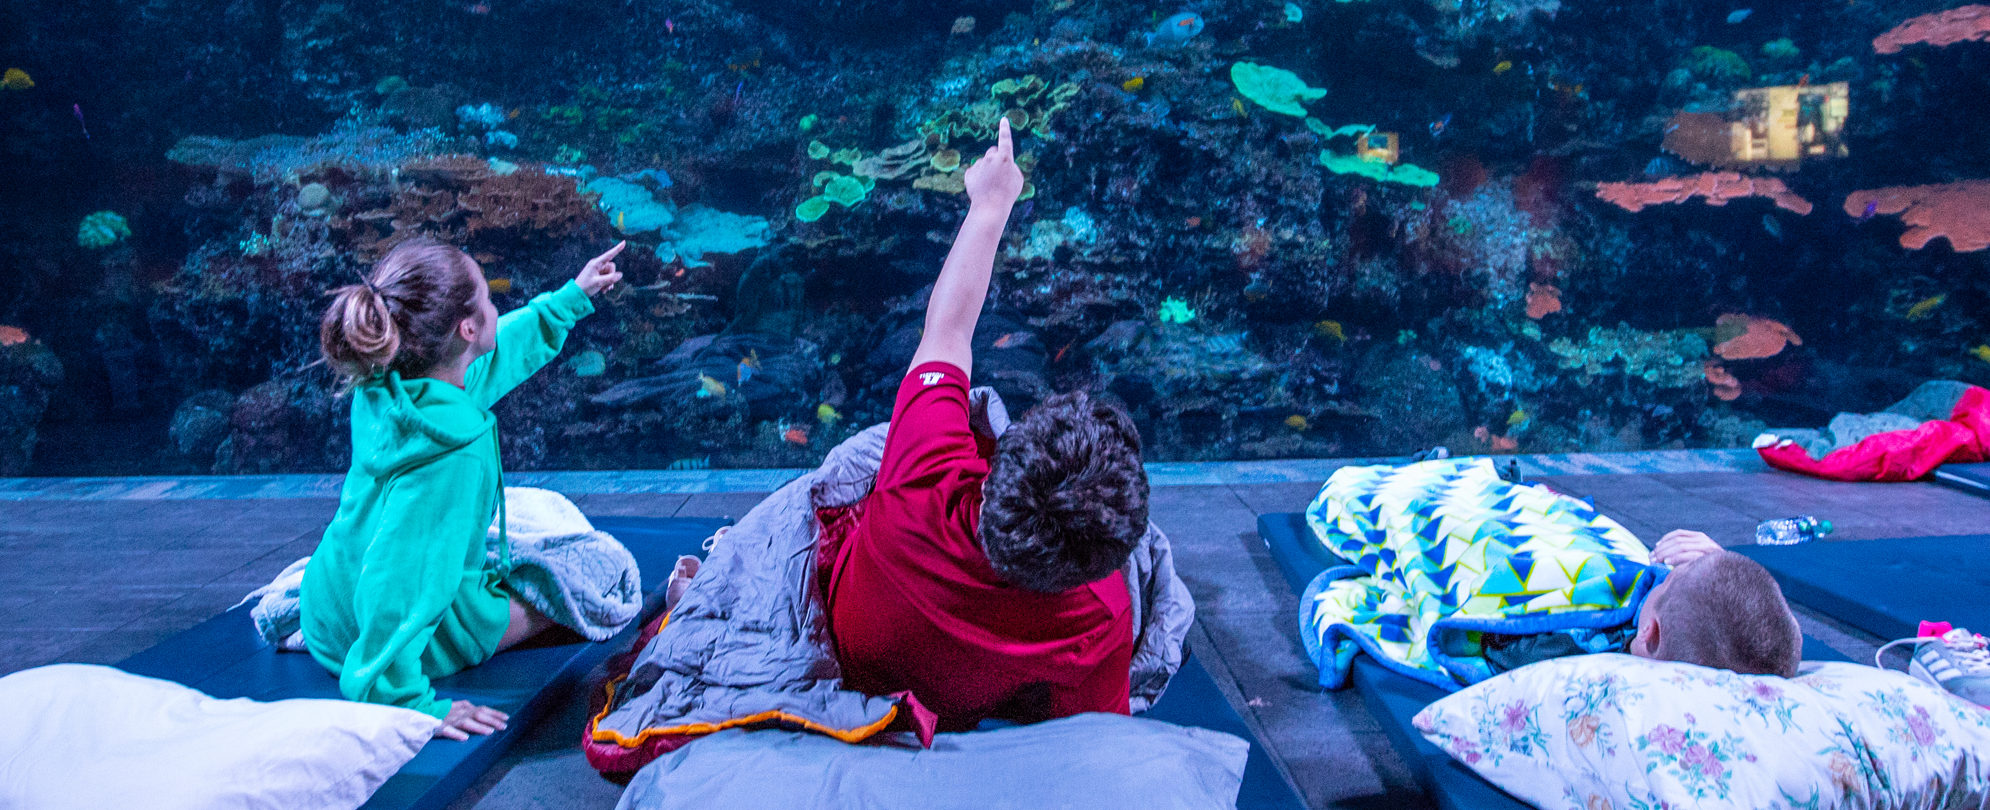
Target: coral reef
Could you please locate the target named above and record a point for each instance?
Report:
(1941, 29)
(1715, 187)
(1958, 212)
(29, 375)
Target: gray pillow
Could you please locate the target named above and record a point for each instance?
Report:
(1090, 760)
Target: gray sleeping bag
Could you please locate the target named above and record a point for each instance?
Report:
(750, 638)
(1090, 760)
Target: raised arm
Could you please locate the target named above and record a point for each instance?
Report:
(530, 336)
(993, 183)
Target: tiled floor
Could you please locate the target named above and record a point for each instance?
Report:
(96, 580)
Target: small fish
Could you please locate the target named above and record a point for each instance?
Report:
(1193, 222)
(500, 286)
(1926, 307)
(1297, 422)
(1134, 84)
(1738, 15)
(479, 9)
(1437, 127)
(1871, 209)
(78, 110)
(1773, 226)
(709, 386)
(748, 366)
(795, 436)
(1238, 105)
(1981, 353)
(1060, 352)
(704, 463)
(1502, 67)
(12, 336)
(16, 79)
(1517, 418)
(827, 414)
(669, 25)
(1012, 340)
(1331, 329)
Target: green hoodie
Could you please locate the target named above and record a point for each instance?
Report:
(399, 590)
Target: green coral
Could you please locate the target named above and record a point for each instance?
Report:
(1716, 66)
(1781, 50)
(701, 229)
(1028, 102)
(1404, 173)
(812, 208)
(1280, 91)
(101, 230)
(1667, 359)
(1175, 310)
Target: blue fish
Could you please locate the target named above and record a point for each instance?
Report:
(1437, 126)
(1872, 208)
(1739, 15)
(1176, 30)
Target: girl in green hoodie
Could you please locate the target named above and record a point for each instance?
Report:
(398, 591)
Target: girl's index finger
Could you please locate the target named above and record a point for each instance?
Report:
(612, 252)
(1003, 142)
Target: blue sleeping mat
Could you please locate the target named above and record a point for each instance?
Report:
(1970, 478)
(1394, 698)
(224, 657)
(1192, 699)
(1887, 587)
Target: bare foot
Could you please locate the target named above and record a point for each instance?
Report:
(680, 581)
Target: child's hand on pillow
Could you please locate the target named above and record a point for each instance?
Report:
(600, 272)
(1682, 546)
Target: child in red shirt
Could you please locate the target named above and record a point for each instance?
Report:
(984, 578)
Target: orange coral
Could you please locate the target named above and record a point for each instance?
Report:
(1940, 30)
(1495, 444)
(1716, 187)
(1726, 387)
(12, 336)
(459, 198)
(1543, 300)
(1746, 337)
(1959, 211)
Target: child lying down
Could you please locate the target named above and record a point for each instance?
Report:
(1458, 575)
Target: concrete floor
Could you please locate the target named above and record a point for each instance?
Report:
(93, 581)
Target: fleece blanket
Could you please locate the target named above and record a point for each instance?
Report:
(580, 577)
(1456, 569)
(748, 645)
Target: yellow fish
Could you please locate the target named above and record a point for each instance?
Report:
(1982, 353)
(1926, 307)
(827, 415)
(1297, 422)
(1238, 105)
(1517, 418)
(620, 217)
(1331, 329)
(16, 79)
(500, 286)
(1134, 84)
(709, 386)
(1502, 67)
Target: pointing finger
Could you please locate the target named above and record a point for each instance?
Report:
(1004, 142)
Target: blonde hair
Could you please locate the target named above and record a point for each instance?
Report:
(401, 317)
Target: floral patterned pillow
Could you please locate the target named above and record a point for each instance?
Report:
(1615, 732)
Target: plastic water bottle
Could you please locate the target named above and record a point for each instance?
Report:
(1791, 531)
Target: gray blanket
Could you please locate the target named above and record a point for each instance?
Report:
(581, 578)
(1091, 760)
(749, 638)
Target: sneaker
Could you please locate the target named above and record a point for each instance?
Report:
(1951, 658)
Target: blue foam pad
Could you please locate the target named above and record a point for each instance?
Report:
(1887, 587)
(1394, 698)
(224, 657)
(1971, 478)
(1193, 699)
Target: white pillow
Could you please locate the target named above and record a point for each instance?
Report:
(76, 736)
(1616, 731)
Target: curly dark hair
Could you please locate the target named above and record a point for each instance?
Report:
(1065, 501)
